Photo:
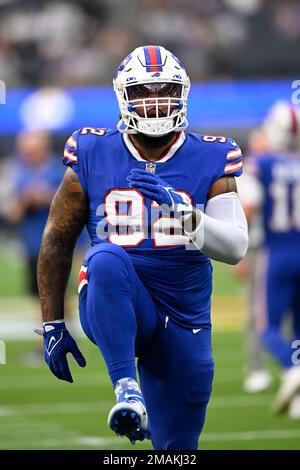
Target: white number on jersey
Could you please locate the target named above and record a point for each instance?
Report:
(285, 218)
(164, 225)
(127, 226)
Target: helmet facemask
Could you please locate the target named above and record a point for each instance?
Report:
(152, 87)
(155, 108)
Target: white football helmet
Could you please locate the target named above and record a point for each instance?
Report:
(282, 127)
(152, 86)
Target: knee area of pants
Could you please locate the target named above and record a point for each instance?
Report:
(108, 265)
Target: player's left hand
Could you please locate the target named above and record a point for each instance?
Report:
(158, 190)
(57, 343)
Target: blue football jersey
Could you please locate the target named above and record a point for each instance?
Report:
(178, 277)
(280, 179)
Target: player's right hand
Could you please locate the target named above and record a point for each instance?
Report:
(157, 189)
(57, 343)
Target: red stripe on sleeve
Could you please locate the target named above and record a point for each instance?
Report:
(82, 277)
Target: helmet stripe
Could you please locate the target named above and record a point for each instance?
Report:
(158, 55)
(153, 59)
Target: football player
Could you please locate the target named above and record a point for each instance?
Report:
(275, 182)
(158, 203)
(258, 378)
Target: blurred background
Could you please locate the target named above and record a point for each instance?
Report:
(57, 60)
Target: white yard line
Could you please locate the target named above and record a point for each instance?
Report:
(238, 401)
(37, 382)
(99, 442)
(19, 325)
(55, 408)
(46, 436)
(11, 382)
(95, 441)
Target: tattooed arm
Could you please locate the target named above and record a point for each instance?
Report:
(67, 217)
(226, 184)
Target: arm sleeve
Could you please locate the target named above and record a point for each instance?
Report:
(222, 233)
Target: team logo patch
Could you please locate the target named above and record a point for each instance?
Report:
(151, 167)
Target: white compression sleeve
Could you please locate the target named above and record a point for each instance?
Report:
(222, 233)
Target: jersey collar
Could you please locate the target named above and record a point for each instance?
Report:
(170, 151)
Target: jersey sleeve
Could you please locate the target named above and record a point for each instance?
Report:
(71, 151)
(71, 157)
(233, 160)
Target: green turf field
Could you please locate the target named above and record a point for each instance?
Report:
(39, 412)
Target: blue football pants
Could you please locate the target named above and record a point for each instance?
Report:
(280, 280)
(175, 365)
